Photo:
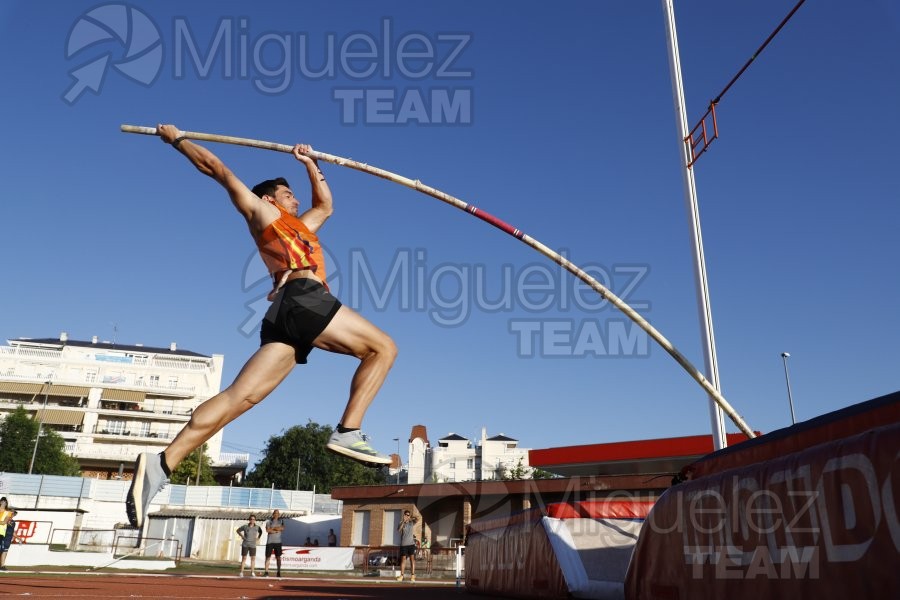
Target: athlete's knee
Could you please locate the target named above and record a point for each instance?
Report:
(381, 347)
(387, 348)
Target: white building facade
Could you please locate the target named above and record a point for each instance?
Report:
(456, 458)
(111, 401)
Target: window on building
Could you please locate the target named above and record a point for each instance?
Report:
(360, 533)
(390, 536)
(154, 380)
(145, 428)
(470, 463)
(114, 377)
(173, 383)
(90, 376)
(116, 426)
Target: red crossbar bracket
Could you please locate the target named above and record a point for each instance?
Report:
(700, 135)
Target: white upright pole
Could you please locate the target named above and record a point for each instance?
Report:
(716, 416)
(40, 425)
(399, 462)
(787, 378)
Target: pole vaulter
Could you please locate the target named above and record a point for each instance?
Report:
(499, 224)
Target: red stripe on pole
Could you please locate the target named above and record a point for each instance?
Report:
(499, 224)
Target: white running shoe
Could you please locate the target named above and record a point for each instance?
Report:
(355, 445)
(149, 478)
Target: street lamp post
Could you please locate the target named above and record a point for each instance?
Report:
(784, 357)
(199, 464)
(399, 461)
(40, 424)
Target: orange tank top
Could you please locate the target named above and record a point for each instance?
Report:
(288, 245)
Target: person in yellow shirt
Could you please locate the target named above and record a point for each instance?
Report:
(6, 526)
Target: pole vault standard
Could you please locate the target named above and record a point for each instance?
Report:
(693, 209)
(503, 226)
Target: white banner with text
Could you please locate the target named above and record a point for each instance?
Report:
(317, 559)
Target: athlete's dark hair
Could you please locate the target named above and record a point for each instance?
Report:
(267, 187)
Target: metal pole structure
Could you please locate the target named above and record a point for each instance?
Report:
(199, 464)
(399, 461)
(40, 424)
(784, 357)
(297, 485)
(716, 416)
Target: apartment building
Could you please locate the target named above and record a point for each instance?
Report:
(112, 401)
(456, 458)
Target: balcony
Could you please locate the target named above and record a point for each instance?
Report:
(231, 459)
(107, 409)
(154, 387)
(114, 453)
(103, 430)
(137, 411)
(152, 360)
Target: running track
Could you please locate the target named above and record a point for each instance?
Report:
(96, 586)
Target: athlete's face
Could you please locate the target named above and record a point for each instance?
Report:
(284, 197)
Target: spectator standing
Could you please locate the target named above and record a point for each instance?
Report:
(274, 527)
(250, 535)
(407, 545)
(7, 529)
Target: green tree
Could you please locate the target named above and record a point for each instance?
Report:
(18, 432)
(542, 474)
(52, 458)
(186, 471)
(520, 471)
(302, 449)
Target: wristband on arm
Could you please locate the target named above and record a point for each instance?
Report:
(177, 141)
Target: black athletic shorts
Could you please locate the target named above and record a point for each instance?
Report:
(407, 550)
(273, 548)
(301, 310)
(248, 550)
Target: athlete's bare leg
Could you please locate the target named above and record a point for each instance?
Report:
(260, 375)
(349, 333)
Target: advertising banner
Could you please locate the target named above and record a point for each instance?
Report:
(317, 559)
(821, 524)
(514, 560)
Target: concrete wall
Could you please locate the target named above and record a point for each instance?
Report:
(55, 506)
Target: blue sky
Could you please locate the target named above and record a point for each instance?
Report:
(562, 124)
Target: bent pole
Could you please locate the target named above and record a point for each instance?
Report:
(503, 226)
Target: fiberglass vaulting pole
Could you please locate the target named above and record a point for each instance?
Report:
(690, 195)
(485, 216)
